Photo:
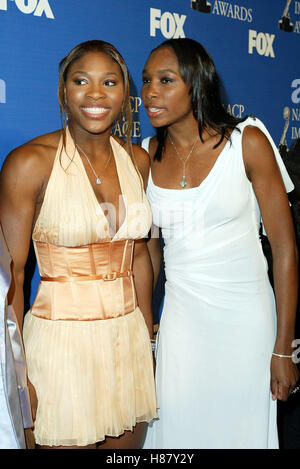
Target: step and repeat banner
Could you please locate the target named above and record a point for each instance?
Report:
(255, 45)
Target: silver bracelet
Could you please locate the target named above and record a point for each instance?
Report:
(282, 356)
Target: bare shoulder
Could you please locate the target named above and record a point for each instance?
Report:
(258, 153)
(50, 139)
(141, 157)
(254, 138)
(33, 154)
(32, 161)
(120, 141)
(43, 147)
(142, 161)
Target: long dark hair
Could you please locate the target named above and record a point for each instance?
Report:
(198, 71)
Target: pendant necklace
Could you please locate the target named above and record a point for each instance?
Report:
(98, 180)
(183, 182)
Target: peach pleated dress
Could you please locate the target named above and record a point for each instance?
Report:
(87, 345)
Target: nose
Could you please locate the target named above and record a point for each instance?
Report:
(96, 91)
(150, 91)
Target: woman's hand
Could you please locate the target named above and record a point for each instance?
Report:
(284, 377)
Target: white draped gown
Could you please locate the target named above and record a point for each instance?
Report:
(218, 323)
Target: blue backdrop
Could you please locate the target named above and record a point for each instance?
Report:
(255, 46)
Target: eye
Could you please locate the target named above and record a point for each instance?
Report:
(80, 81)
(166, 80)
(145, 80)
(110, 82)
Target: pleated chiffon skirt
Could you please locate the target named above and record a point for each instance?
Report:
(93, 378)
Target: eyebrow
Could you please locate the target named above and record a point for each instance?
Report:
(164, 70)
(87, 73)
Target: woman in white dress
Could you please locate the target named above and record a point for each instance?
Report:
(224, 356)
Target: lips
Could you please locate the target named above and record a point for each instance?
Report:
(95, 112)
(154, 111)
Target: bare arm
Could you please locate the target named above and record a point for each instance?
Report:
(143, 279)
(155, 255)
(263, 172)
(20, 183)
(153, 243)
(142, 160)
(142, 267)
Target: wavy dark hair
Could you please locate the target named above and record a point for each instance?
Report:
(198, 71)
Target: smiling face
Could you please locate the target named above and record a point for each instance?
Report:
(166, 96)
(94, 92)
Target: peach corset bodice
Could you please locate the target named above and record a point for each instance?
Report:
(85, 282)
(85, 273)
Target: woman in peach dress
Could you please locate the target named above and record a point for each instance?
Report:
(78, 193)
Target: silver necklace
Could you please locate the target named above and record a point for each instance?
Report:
(183, 182)
(98, 180)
